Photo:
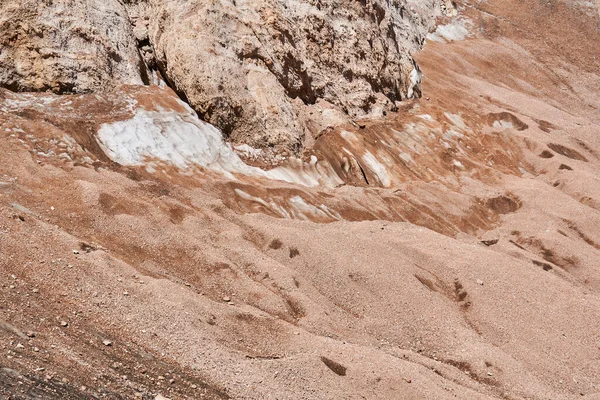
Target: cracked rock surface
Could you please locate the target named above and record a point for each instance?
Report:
(66, 46)
(268, 72)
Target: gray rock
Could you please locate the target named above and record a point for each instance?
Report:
(66, 46)
(255, 68)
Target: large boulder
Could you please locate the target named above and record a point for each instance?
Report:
(267, 72)
(66, 46)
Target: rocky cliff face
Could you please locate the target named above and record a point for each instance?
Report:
(66, 46)
(267, 73)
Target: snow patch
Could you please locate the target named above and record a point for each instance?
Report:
(247, 151)
(297, 207)
(377, 168)
(169, 137)
(184, 141)
(502, 124)
(457, 30)
(303, 211)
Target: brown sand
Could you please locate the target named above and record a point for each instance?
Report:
(480, 281)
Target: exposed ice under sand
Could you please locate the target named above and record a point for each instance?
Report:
(167, 136)
(297, 208)
(457, 30)
(184, 141)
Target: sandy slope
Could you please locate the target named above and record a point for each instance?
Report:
(459, 261)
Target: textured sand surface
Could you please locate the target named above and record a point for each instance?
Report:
(447, 251)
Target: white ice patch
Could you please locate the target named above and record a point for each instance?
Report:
(350, 137)
(457, 30)
(377, 168)
(170, 137)
(304, 211)
(407, 158)
(456, 119)
(298, 208)
(501, 124)
(415, 81)
(426, 117)
(248, 151)
(184, 141)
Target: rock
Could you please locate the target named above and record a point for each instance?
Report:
(335, 366)
(66, 46)
(490, 242)
(259, 69)
(226, 299)
(64, 324)
(30, 334)
(19, 346)
(107, 342)
(479, 282)
(161, 397)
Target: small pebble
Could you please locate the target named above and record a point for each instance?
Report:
(107, 342)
